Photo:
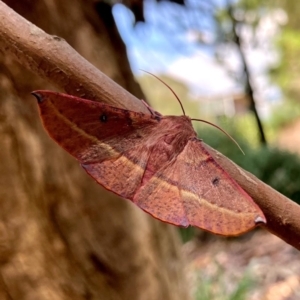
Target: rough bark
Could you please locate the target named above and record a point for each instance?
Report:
(62, 236)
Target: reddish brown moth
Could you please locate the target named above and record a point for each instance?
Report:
(155, 161)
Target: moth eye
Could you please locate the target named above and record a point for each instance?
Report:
(103, 118)
(215, 181)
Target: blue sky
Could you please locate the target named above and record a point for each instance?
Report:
(149, 48)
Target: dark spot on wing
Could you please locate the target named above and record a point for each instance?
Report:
(128, 118)
(103, 118)
(215, 181)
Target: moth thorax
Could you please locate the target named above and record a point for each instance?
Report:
(181, 124)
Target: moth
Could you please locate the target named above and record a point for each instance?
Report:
(156, 161)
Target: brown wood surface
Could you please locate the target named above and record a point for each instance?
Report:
(61, 235)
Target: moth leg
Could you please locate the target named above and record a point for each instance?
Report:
(152, 111)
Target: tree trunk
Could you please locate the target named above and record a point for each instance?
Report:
(248, 85)
(62, 236)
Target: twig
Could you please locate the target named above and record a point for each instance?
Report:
(53, 59)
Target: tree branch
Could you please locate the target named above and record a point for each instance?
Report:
(54, 60)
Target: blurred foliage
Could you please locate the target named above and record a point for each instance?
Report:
(283, 114)
(216, 286)
(292, 9)
(247, 12)
(187, 234)
(163, 100)
(286, 74)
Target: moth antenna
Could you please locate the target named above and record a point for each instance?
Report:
(216, 126)
(168, 88)
(200, 120)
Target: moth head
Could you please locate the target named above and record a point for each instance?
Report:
(179, 124)
(188, 120)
